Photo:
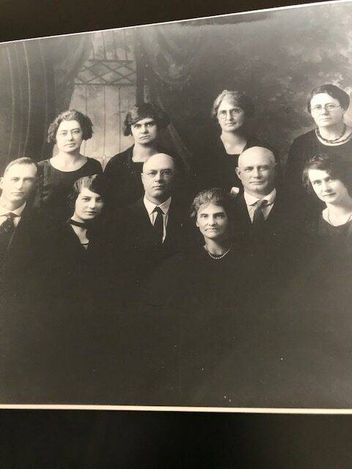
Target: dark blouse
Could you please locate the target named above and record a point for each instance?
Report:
(302, 150)
(78, 275)
(124, 178)
(337, 239)
(305, 147)
(55, 185)
(216, 168)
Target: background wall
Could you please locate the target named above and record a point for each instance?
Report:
(276, 57)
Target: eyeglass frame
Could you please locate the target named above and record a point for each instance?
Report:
(326, 107)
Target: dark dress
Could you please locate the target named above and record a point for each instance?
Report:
(124, 178)
(315, 324)
(302, 150)
(55, 185)
(201, 329)
(216, 168)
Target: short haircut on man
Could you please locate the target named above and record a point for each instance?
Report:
(25, 160)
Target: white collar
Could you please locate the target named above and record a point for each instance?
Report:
(4, 211)
(252, 200)
(150, 206)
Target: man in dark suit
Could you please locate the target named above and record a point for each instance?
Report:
(21, 229)
(152, 229)
(263, 221)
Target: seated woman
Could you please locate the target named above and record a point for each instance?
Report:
(82, 328)
(327, 105)
(58, 173)
(80, 244)
(203, 298)
(123, 171)
(314, 318)
(331, 181)
(232, 111)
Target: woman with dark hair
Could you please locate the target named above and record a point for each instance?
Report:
(123, 172)
(58, 173)
(80, 243)
(327, 105)
(331, 180)
(83, 327)
(232, 110)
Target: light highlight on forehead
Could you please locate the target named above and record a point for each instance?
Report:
(159, 160)
(256, 154)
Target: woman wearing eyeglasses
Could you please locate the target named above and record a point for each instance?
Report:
(232, 110)
(327, 105)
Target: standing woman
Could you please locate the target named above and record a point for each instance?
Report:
(57, 174)
(123, 171)
(232, 110)
(327, 105)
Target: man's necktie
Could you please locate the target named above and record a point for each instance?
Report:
(258, 217)
(7, 229)
(159, 224)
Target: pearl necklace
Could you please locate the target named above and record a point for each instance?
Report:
(334, 140)
(215, 256)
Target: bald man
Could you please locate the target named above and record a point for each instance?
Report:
(264, 222)
(152, 229)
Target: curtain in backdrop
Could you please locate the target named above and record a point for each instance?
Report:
(37, 79)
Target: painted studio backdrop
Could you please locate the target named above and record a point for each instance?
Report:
(275, 57)
(65, 354)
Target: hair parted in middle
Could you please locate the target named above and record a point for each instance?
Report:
(239, 98)
(71, 115)
(337, 169)
(216, 196)
(143, 111)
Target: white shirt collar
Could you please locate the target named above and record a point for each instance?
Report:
(252, 200)
(150, 206)
(4, 211)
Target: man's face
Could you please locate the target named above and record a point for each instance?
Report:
(157, 177)
(144, 131)
(18, 183)
(256, 170)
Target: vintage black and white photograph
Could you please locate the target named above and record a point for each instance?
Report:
(176, 214)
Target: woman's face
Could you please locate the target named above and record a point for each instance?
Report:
(213, 222)
(144, 131)
(329, 190)
(326, 110)
(230, 116)
(69, 136)
(88, 205)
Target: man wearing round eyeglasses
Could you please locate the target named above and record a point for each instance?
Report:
(152, 229)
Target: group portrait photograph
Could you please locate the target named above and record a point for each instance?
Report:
(176, 214)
